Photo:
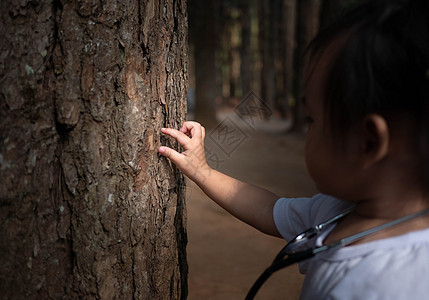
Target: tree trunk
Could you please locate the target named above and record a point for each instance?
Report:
(266, 42)
(245, 63)
(218, 10)
(88, 209)
(289, 21)
(232, 55)
(329, 11)
(307, 26)
(202, 31)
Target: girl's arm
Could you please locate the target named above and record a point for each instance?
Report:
(248, 203)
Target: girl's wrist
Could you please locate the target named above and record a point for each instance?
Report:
(201, 175)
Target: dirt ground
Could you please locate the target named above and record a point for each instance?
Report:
(225, 256)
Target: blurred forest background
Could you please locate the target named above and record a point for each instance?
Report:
(241, 49)
(243, 46)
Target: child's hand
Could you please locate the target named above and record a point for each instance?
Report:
(192, 162)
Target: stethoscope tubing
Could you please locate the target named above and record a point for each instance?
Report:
(280, 262)
(277, 265)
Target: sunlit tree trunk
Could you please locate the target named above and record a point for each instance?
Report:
(88, 209)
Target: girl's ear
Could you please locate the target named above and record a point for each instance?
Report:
(376, 139)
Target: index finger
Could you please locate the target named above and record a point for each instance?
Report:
(192, 129)
(182, 138)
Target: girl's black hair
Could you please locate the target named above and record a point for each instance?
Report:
(382, 66)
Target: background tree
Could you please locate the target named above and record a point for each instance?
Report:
(289, 44)
(245, 47)
(203, 37)
(88, 209)
(306, 29)
(255, 45)
(329, 10)
(266, 21)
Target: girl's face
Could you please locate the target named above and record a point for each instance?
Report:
(330, 161)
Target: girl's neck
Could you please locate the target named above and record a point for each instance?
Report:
(391, 206)
(369, 214)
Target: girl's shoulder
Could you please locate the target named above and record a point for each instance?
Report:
(294, 215)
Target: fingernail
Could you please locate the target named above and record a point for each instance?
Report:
(161, 150)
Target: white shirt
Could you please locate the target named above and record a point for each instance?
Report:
(391, 268)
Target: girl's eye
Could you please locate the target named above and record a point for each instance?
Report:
(308, 120)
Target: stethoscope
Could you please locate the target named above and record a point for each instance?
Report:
(290, 254)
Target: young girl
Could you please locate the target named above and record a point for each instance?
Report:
(367, 148)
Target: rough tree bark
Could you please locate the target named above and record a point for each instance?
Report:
(88, 209)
